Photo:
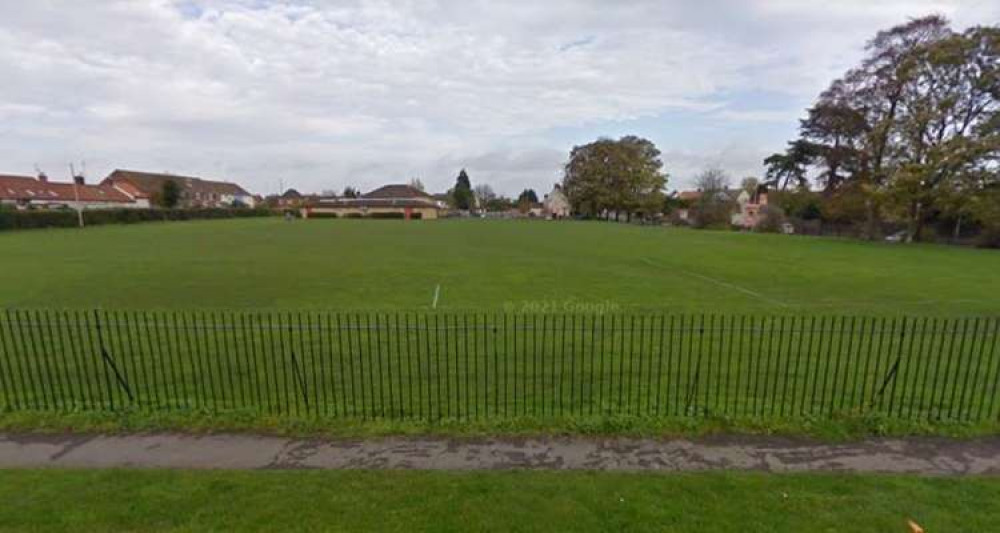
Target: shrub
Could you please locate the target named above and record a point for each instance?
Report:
(772, 219)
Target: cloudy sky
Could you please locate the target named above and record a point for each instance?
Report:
(322, 94)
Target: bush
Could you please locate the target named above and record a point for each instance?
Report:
(772, 219)
(67, 218)
(989, 237)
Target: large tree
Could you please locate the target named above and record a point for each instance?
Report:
(622, 176)
(908, 133)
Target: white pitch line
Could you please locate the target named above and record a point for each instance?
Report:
(437, 292)
(721, 283)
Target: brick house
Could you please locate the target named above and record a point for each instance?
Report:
(194, 192)
(24, 192)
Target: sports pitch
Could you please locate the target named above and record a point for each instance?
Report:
(512, 266)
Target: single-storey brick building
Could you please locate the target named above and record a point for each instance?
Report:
(401, 201)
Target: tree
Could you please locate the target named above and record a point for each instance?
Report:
(528, 196)
(462, 192)
(750, 184)
(615, 176)
(909, 132)
(714, 206)
(351, 192)
(417, 184)
(484, 195)
(499, 203)
(170, 194)
(788, 168)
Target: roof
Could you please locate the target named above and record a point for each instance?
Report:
(149, 183)
(28, 188)
(396, 192)
(374, 202)
(291, 193)
(689, 195)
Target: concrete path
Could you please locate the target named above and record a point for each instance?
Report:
(917, 456)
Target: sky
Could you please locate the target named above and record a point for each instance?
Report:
(318, 95)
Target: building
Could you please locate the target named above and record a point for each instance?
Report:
(290, 198)
(194, 192)
(689, 198)
(390, 201)
(752, 208)
(556, 205)
(24, 192)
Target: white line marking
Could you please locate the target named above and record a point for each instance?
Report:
(437, 292)
(720, 283)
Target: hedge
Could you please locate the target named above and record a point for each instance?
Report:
(66, 218)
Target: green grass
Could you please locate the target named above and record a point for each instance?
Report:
(117, 500)
(485, 265)
(828, 429)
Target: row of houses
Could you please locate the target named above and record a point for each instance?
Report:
(121, 189)
(142, 190)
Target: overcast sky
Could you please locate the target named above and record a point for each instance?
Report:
(323, 94)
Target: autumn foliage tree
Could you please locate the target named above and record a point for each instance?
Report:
(912, 134)
(622, 176)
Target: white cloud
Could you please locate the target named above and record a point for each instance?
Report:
(325, 94)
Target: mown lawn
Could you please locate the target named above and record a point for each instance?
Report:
(485, 265)
(118, 500)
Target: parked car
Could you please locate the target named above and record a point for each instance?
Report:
(899, 236)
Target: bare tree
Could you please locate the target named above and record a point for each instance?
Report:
(714, 207)
(484, 194)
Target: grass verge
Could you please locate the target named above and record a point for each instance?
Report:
(828, 429)
(150, 500)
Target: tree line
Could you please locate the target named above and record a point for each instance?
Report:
(909, 136)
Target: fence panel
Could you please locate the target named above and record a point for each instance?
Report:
(428, 365)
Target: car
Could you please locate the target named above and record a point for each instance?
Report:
(899, 236)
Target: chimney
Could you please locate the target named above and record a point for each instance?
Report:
(42, 177)
(78, 180)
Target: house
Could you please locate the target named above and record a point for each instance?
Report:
(194, 192)
(687, 199)
(389, 201)
(556, 205)
(290, 198)
(752, 208)
(690, 198)
(25, 192)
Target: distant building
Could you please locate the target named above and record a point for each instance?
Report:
(25, 192)
(556, 205)
(403, 201)
(690, 198)
(752, 208)
(195, 192)
(290, 198)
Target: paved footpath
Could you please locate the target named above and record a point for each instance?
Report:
(917, 456)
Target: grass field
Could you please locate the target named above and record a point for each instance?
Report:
(485, 265)
(54, 500)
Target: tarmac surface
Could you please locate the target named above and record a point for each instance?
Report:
(925, 456)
